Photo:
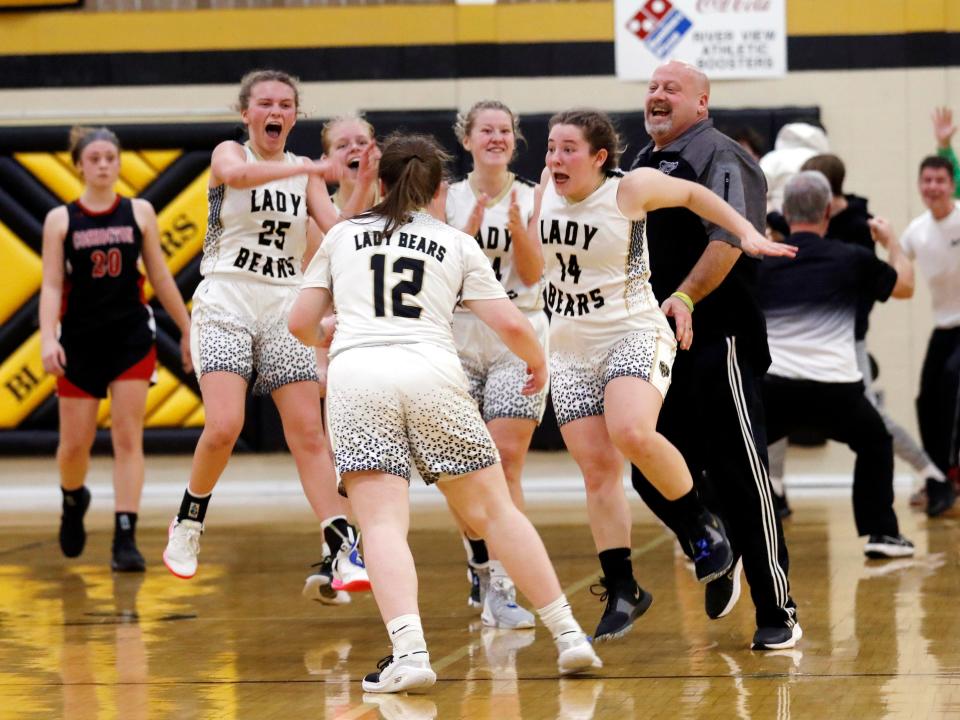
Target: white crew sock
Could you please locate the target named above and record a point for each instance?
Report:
(406, 635)
(558, 617)
(933, 472)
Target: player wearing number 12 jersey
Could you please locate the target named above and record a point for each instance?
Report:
(261, 200)
(398, 397)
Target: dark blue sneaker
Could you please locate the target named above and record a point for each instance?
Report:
(711, 553)
(624, 605)
(777, 638)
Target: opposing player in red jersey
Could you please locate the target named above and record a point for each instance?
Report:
(98, 334)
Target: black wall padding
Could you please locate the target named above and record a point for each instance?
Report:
(25, 188)
(20, 326)
(154, 136)
(155, 441)
(168, 353)
(175, 178)
(189, 277)
(43, 417)
(24, 225)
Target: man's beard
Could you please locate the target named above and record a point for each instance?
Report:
(659, 126)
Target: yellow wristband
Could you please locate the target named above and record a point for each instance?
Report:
(685, 299)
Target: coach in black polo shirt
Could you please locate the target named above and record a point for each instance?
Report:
(713, 412)
(813, 382)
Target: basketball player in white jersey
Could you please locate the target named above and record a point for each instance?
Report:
(398, 396)
(261, 199)
(611, 349)
(498, 209)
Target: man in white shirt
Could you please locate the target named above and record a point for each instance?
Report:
(932, 241)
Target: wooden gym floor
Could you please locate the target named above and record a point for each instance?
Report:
(881, 639)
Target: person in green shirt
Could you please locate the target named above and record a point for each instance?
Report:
(943, 130)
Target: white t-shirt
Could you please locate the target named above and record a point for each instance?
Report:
(401, 289)
(597, 269)
(258, 232)
(935, 246)
(494, 237)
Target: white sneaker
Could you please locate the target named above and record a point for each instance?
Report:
(349, 572)
(500, 609)
(400, 674)
(183, 546)
(575, 654)
(319, 585)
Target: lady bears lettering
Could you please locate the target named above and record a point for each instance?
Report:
(569, 234)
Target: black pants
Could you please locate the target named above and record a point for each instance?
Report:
(938, 404)
(841, 412)
(713, 414)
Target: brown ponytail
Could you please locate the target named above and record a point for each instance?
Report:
(411, 168)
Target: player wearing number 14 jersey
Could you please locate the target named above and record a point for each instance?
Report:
(261, 200)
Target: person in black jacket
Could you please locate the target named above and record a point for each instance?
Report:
(713, 412)
(850, 222)
(813, 382)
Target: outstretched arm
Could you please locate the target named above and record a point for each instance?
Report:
(882, 234)
(516, 332)
(645, 189)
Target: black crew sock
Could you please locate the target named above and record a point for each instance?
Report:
(193, 507)
(478, 551)
(617, 567)
(73, 498)
(690, 511)
(336, 533)
(124, 523)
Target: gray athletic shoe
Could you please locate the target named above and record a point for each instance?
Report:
(500, 607)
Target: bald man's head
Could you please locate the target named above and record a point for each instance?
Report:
(677, 99)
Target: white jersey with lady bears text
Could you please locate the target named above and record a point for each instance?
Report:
(259, 232)
(494, 237)
(400, 289)
(597, 270)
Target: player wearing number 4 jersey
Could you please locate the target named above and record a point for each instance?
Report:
(611, 349)
(398, 396)
(92, 283)
(261, 200)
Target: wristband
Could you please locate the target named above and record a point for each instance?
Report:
(685, 299)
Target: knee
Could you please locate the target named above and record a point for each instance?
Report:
(221, 433)
(635, 442)
(306, 438)
(601, 475)
(127, 441)
(74, 448)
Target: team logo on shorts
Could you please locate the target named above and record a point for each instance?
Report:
(660, 26)
(668, 166)
(664, 369)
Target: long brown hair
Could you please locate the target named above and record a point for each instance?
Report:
(411, 168)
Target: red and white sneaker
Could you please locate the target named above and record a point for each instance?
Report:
(183, 547)
(349, 572)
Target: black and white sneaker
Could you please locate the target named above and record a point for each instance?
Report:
(884, 546)
(722, 594)
(776, 638)
(940, 497)
(401, 674)
(319, 585)
(624, 605)
(711, 552)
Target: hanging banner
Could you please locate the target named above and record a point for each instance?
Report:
(724, 38)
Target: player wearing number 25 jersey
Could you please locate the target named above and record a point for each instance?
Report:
(255, 242)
